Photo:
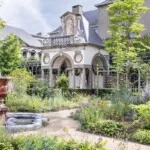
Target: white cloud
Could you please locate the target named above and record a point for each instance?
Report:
(24, 14)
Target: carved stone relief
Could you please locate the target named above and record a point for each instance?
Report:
(70, 26)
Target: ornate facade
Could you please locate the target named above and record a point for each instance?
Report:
(75, 47)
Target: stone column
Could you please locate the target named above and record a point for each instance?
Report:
(73, 77)
(42, 73)
(51, 77)
(90, 78)
(59, 72)
(83, 86)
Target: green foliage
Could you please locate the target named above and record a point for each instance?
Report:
(101, 92)
(41, 89)
(26, 103)
(5, 146)
(9, 54)
(21, 79)
(88, 115)
(48, 143)
(92, 119)
(59, 103)
(37, 143)
(145, 71)
(108, 128)
(143, 114)
(62, 82)
(141, 136)
(2, 24)
(124, 28)
(5, 139)
(72, 145)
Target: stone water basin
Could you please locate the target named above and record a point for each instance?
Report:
(17, 122)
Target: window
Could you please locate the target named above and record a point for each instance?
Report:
(33, 53)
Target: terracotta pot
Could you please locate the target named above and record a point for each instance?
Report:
(3, 87)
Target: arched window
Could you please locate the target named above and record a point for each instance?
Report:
(33, 53)
(24, 53)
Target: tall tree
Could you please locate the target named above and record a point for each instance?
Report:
(9, 54)
(125, 29)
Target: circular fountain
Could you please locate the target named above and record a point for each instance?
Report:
(15, 122)
(23, 122)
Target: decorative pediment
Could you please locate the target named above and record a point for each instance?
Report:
(70, 23)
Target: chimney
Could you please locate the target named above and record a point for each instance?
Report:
(77, 9)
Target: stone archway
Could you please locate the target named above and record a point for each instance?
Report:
(61, 64)
(100, 69)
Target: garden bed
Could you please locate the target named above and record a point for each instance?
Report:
(114, 120)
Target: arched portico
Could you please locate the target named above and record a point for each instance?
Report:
(61, 64)
(100, 68)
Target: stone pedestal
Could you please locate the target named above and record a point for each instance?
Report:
(3, 111)
(3, 93)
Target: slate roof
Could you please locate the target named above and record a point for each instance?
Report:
(20, 33)
(91, 16)
(92, 19)
(58, 30)
(106, 2)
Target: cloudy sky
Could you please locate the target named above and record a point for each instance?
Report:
(39, 15)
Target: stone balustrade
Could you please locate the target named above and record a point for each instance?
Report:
(58, 41)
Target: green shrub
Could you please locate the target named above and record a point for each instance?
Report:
(117, 111)
(58, 103)
(47, 143)
(6, 146)
(123, 94)
(36, 143)
(26, 103)
(72, 145)
(88, 115)
(143, 114)
(5, 139)
(142, 136)
(21, 79)
(41, 89)
(121, 100)
(101, 92)
(108, 128)
(62, 82)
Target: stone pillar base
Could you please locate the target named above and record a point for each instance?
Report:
(3, 111)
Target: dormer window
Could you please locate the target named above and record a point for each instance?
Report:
(24, 53)
(33, 53)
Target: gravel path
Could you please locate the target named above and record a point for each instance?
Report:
(60, 120)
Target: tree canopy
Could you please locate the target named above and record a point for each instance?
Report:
(125, 30)
(9, 54)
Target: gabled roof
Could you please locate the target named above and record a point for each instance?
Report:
(20, 33)
(106, 2)
(91, 16)
(89, 19)
(58, 30)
